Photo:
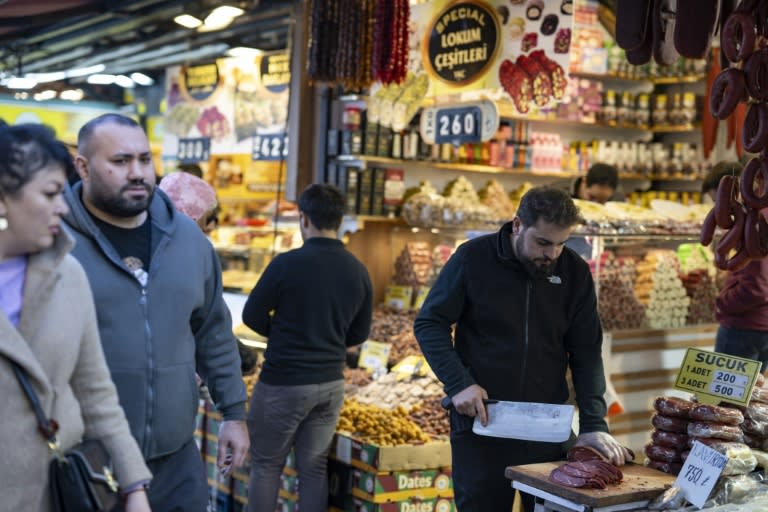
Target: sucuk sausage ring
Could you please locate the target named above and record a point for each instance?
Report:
(708, 228)
(727, 90)
(738, 37)
(670, 439)
(754, 234)
(755, 73)
(755, 199)
(716, 430)
(670, 423)
(723, 200)
(717, 414)
(662, 453)
(673, 406)
(754, 136)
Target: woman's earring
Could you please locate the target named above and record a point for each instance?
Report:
(3, 223)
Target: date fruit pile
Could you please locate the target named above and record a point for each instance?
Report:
(431, 417)
(383, 427)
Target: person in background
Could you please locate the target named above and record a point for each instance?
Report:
(741, 307)
(524, 310)
(48, 328)
(158, 292)
(599, 185)
(311, 303)
(192, 196)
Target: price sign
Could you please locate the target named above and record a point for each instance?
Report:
(700, 472)
(191, 151)
(374, 355)
(421, 296)
(398, 296)
(716, 377)
(411, 366)
(272, 146)
(466, 122)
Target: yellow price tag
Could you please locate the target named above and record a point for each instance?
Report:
(411, 366)
(420, 297)
(398, 296)
(374, 355)
(716, 377)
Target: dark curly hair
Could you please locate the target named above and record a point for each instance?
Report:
(27, 149)
(551, 204)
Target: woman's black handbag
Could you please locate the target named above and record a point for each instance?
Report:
(80, 479)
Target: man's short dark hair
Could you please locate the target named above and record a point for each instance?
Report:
(713, 177)
(86, 132)
(553, 205)
(603, 174)
(323, 204)
(26, 149)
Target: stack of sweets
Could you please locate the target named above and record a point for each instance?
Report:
(496, 199)
(413, 265)
(617, 303)
(440, 255)
(702, 292)
(660, 290)
(670, 438)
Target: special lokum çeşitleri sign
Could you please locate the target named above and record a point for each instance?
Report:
(201, 81)
(463, 42)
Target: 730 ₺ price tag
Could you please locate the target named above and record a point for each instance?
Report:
(716, 377)
(271, 146)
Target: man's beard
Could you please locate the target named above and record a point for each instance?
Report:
(540, 268)
(118, 204)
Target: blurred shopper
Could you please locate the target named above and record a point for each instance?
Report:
(48, 328)
(157, 285)
(192, 196)
(311, 303)
(524, 310)
(741, 307)
(599, 185)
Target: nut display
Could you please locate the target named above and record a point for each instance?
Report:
(388, 392)
(413, 265)
(496, 199)
(383, 427)
(661, 291)
(396, 328)
(431, 417)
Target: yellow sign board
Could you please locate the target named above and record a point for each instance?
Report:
(716, 377)
(411, 366)
(421, 296)
(374, 355)
(399, 297)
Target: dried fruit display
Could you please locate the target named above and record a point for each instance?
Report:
(618, 305)
(395, 327)
(413, 265)
(389, 392)
(702, 291)
(496, 199)
(384, 427)
(431, 417)
(661, 291)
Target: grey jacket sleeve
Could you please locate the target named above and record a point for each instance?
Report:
(218, 360)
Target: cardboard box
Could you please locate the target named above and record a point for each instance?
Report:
(375, 459)
(401, 485)
(409, 505)
(339, 484)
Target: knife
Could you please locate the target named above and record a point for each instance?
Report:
(528, 421)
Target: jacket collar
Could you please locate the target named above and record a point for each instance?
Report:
(504, 244)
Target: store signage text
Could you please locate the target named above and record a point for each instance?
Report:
(463, 42)
(275, 71)
(716, 377)
(201, 81)
(272, 146)
(194, 150)
(700, 473)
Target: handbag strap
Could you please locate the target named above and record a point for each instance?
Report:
(47, 427)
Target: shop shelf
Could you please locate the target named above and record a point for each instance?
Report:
(486, 169)
(672, 80)
(682, 128)
(609, 77)
(657, 178)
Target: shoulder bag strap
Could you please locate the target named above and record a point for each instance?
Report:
(47, 427)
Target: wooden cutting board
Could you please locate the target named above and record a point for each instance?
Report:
(640, 483)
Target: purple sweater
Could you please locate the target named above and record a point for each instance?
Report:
(743, 301)
(12, 274)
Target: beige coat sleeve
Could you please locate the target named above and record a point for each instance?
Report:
(102, 414)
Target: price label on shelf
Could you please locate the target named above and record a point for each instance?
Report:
(476, 121)
(374, 355)
(700, 472)
(195, 150)
(421, 296)
(716, 377)
(272, 146)
(398, 297)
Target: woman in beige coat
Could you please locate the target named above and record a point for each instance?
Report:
(48, 327)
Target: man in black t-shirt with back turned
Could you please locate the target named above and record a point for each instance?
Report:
(311, 303)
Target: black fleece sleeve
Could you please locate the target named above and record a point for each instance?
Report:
(441, 309)
(263, 299)
(583, 341)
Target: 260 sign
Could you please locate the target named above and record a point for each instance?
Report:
(458, 125)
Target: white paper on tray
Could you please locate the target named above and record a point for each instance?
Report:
(529, 421)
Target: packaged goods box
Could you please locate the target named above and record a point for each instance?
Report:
(377, 459)
(402, 485)
(409, 505)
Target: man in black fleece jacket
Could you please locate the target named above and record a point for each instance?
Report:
(525, 309)
(311, 303)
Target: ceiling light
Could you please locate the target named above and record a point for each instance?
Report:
(244, 51)
(45, 95)
(141, 79)
(188, 21)
(220, 17)
(90, 70)
(21, 82)
(99, 79)
(43, 78)
(72, 94)
(124, 82)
